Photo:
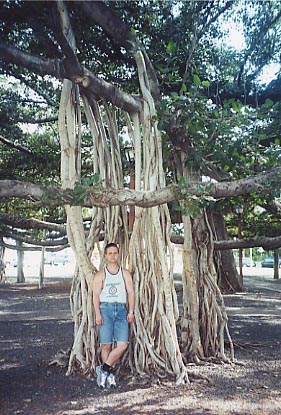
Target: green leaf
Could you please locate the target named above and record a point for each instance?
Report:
(235, 106)
(196, 80)
(206, 84)
(183, 88)
(171, 47)
(217, 114)
(268, 103)
(181, 181)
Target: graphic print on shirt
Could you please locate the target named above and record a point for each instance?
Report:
(112, 289)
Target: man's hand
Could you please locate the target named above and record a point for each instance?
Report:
(130, 317)
(99, 321)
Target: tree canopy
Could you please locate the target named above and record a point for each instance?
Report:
(210, 100)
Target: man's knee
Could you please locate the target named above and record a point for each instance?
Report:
(122, 346)
(106, 347)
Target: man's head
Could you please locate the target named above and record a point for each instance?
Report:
(110, 245)
(111, 253)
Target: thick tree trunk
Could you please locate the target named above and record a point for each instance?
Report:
(204, 318)
(83, 348)
(191, 345)
(276, 264)
(112, 220)
(228, 278)
(20, 256)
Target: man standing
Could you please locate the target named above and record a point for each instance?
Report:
(113, 297)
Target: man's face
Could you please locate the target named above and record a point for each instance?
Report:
(112, 254)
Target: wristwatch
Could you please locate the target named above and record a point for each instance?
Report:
(131, 312)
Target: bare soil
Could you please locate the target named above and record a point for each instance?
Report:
(36, 324)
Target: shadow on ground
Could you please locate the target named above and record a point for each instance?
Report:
(35, 324)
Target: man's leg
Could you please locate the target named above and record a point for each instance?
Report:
(121, 334)
(106, 336)
(109, 357)
(116, 353)
(105, 351)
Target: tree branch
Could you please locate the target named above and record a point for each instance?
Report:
(37, 64)
(32, 241)
(98, 196)
(32, 248)
(65, 36)
(273, 207)
(89, 83)
(29, 14)
(263, 241)
(35, 88)
(23, 223)
(120, 33)
(16, 146)
(260, 241)
(38, 121)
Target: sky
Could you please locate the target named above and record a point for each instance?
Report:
(234, 36)
(236, 39)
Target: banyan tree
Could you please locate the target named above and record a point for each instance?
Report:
(163, 338)
(155, 344)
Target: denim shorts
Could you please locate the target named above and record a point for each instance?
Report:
(115, 326)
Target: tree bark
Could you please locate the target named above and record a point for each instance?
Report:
(3, 277)
(263, 241)
(276, 264)
(112, 197)
(20, 256)
(60, 69)
(228, 278)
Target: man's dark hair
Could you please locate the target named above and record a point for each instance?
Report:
(111, 245)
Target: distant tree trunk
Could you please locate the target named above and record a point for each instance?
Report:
(276, 264)
(42, 269)
(3, 277)
(20, 256)
(228, 278)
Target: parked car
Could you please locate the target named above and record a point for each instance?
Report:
(246, 261)
(54, 258)
(268, 262)
(60, 259)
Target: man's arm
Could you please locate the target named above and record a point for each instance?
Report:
(130, 293)
(97, 287)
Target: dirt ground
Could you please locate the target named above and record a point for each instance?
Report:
(36, 324)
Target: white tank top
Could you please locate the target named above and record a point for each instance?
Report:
(114, 289)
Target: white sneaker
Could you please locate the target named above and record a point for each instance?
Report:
(101, 377)
(110, 381)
